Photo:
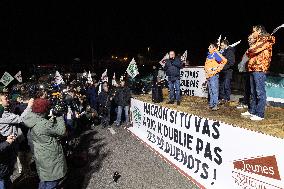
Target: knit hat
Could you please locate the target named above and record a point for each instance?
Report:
(40, 105)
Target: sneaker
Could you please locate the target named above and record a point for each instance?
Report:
(256, 118)
(178, 103)
(215, 108)
(242, 106)
(246, 114)
(170, 102)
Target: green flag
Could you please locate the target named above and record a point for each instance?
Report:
(132, 69)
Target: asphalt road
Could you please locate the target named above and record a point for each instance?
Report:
(138, 166)
(103, 151)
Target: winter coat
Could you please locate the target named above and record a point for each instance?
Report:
(7, 159)
(122, 96)
(229, 54)
(9, 123)
(172, 69)
(48, 152)
(104, 99)
(213, 65)
(92, 96)
(260, 54)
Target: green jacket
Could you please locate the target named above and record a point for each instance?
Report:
(49, 157)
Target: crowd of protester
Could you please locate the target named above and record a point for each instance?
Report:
(38, 121)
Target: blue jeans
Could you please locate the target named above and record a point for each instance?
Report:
(174, 87)
(225, 87)
(258, 93)
(49, 184)
(119, 112)
(5, 183)
(213, 86)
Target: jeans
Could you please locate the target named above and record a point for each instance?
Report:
(50, 184)
(174, 87)
(5, 183)
(258, 93)
(119, 112)
(225, 87)
(213, 86)
(246, 100)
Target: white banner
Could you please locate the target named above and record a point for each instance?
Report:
(212, 154)
(193, 82)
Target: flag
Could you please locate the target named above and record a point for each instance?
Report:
(90, 80)
(132, 69)
(163, 61)
(104, 76)
(276, 29)
(6, 79)
(100, 88)
(235, 44)
(84, 74)
(184, 57)
(58, 78)
(219, 41)
(18, 76)
(113, 82)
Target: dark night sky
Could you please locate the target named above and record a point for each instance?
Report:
(56, 33)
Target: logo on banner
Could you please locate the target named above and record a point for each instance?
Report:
(137, 116)
(266, 167)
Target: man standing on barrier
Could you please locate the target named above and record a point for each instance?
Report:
(172, 68)
(259, 55)
(227, 73)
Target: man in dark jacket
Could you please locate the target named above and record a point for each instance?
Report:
(227, 72)
(6, 165)
(92, 95)
(172, 68)
(104, 101)
(122, 99)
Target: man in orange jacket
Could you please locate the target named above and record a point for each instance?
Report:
(215, 62)
(259, 55)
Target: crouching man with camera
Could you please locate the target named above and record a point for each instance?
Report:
(44, 134)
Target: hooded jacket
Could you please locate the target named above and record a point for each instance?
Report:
(48, 152)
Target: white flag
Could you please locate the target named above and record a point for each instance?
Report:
(276, 29)
(84, 74)
(219, 41)
(163, 61)
(183, 58)
(104, 76)
(100, 88)
(58, 78)
(132, 69)
(6, 79)
(235, 44)
(18, 76)
(113, 82)
(90, 80)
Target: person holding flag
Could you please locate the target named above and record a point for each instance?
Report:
(259, 55)
(172, 69)
(215, 62)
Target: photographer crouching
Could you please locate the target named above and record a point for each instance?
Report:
(48, 152)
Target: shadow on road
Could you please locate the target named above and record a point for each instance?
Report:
(85, 160)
